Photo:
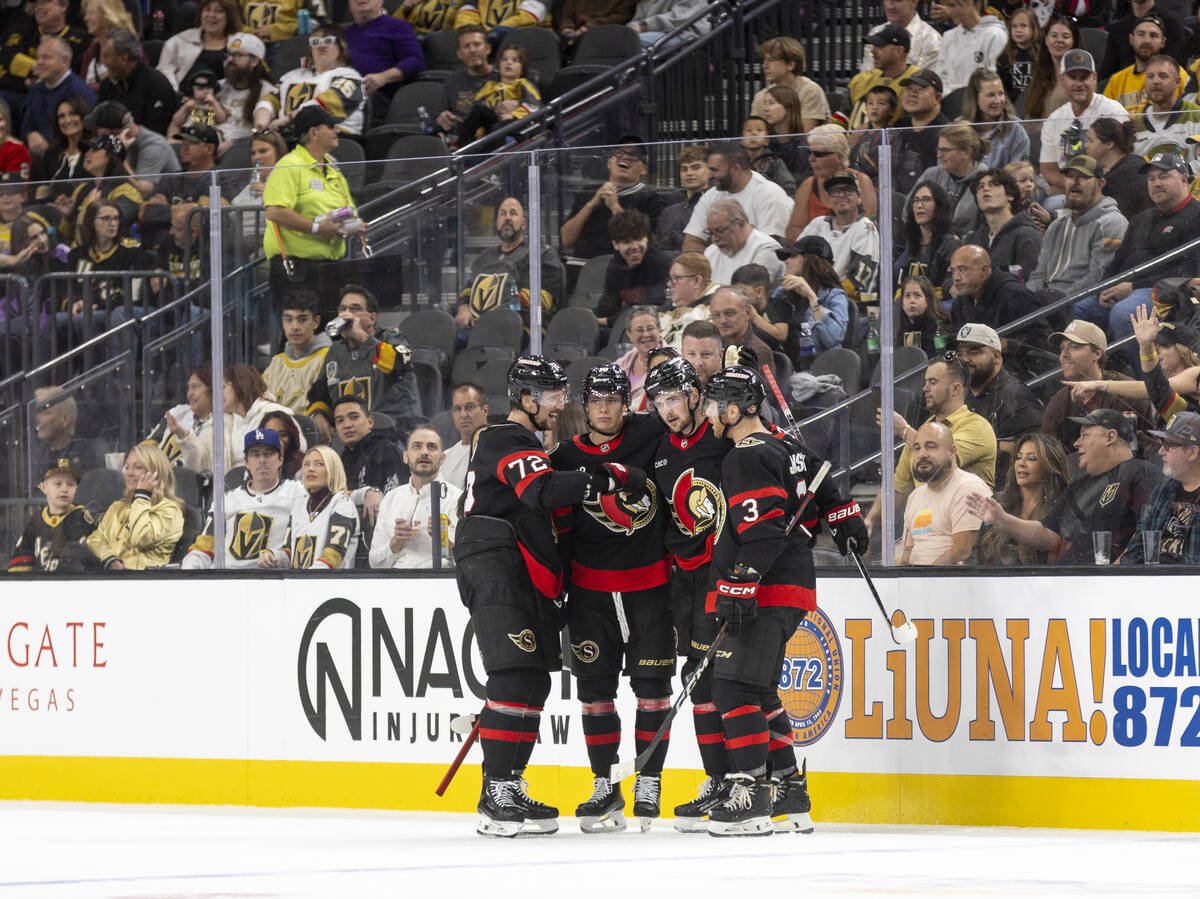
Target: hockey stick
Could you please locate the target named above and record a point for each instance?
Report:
(793, 428)
(458, 759)
(623, 770)
(905, 631)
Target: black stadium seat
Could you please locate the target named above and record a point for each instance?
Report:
(607, 45)
(542, 46)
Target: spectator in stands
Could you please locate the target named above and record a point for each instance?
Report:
(960, 152)
(1164, 118)
(733, 176)
(139, 531)
(405, 532)
(324, 529)
(364, 364)
(1009, 236)
(923, 320)
(183, 427)
(813, 289)
(144, 91)
(62, 159)
(757, 283)
(198, 145)
(202, 48)
(303, 189)
(585, 232)
(101, 248)
(975, 41)
(735, 243)
(266, 149)
(939, 529)
(329, 81)
(888, 48)
(178, 252)
(500, 17)
(1128, 86)
(290, 442)
(146, 151)
(974, 440)
(271, 21)
(505, 98)
(1080, 243)
(53, 537)
(730, 308)
(918, 128)
(829, 154)
(1081, 348)
(20, 39)
(14, 155)
(703, 349)
(1016, 62)
(55, 418)
(781, 112)
(55, 84)
(690, 284)
(385, 49)
(247, 403)
(509, 261)
(1110, 142)
(851, 235)
(654, 19)
(575, 17)
(882, 106)
(1047, 91)
(12, 195)
(1108, 495)
(1121, 50)
(637, 274)
(246, 92)
(371, 459)
(784, 65)
(645, 335)
(756, 138)
(1025, 175)
(925, 40)
(994, 392)
(693, 178)
(1083, 106)
(1037, 477)
(929, 240)
(32, 251)
(290, 375)
(987, 107)
(463, 84)
(469, 409)
(991, 297)
(1173, 511)
(100, 18)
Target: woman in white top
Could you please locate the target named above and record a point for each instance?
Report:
(192, 419)
(204, 44)
(324, 520)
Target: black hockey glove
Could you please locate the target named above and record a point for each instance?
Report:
(846, 524)
(613, 477)
(737, 598)
(748, 358)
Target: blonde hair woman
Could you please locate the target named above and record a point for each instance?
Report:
(828, 154)
(323, 532)
(140, 530)
(690, 285)
(101, 17)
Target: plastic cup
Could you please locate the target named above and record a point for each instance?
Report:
(1102, 546)
(1151, 544)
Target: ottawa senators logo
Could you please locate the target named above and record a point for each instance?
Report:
(697, 505)
(587, 651)
(620, 515)
(525, 640)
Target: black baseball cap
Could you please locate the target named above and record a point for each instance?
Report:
(841, 179)
(201, 77)
(1167, 162)
(200, 133)
(631, 145)
(310, 116)
(890, 35)
(1182, 430)
(1109, 419)
(110, 114)
(817, 246)
(69, 468)
(1170, 334)
(924, 78)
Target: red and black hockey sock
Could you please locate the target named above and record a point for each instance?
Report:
(745, 725)
(653, 703)
(502, 724)
(601, 724)
(781, 755)
(710, 736)
(533, 720)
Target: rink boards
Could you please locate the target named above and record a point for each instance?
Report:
(1062, 702)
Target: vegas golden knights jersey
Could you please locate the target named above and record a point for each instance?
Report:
(254, 523)
(162, 437)
(53, 541)
(339, 90)
(429, 15)
(325, 539)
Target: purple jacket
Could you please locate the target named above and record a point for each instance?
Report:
(385, 43)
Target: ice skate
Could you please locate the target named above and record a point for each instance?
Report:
(540, 818)
(692, 817)
(602, 812)
(499, 813)
(790, 804)
(747, 811)
(646, 790)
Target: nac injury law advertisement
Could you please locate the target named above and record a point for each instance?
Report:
(1081, 677)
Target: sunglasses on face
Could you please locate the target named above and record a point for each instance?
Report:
(316, 42)
(820, 154)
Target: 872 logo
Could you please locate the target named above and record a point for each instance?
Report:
(811, 682)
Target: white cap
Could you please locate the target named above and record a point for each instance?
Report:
(247, 43)
(979, 334)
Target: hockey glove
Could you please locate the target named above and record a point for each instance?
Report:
(737, 598)
(846, 524)
(748, 358)
(613, 477)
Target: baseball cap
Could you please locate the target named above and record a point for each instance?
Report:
(1168, 162)
(200, 133)
(67, 467)
(109, 143)
(979, 334)
(924, 78)
(1110, 420)
(1170, 334)
(1182, 430)
(630, 145)
(890, 35)
(201, 77)
(817, 246)
(1085, 165)
(262, 437)
(310, 116)
(1080, 331)
(110, 114)
(1153, 20)
(247, 43)
(841, 179)
(1078, 60)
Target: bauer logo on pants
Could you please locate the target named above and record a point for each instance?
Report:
(810, 685)
(525, 640)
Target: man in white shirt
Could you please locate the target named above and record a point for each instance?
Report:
(975, 42)
(939, 529)
(404, 531)
(468, 405)
(767, 205)
(1083, 105)
(926, 41)
(852, 236)
(735, 243)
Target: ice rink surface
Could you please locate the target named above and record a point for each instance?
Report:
(76, 850)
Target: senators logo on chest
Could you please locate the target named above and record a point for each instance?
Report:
(696, 504)
(620, 515)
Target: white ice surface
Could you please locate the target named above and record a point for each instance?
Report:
(74, 850)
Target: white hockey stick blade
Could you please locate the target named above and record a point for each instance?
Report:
(463, 724)
(623, 770)
(905, 633)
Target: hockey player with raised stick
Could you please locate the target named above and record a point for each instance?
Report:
(509, 575)
(618, 611)
(763, 585)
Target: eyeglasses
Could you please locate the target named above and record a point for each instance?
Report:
(720, 232)
(922, 200)
(108, 218)
(842, 192)
(675, 279)
(942, 151)
(641, 332)
(352, 309)
(316, 42)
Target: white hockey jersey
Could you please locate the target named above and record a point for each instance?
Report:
(254, 523)
(162, 437)
(339, 90)
(323, 540)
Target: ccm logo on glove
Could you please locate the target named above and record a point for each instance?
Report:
(741, 590)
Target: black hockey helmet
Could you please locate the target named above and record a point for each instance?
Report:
(675, 373)
(534, 374)
(739, 385)
(607, 379)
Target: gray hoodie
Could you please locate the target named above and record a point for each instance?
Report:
(1077, 249)
(666, 15)
(965, 50)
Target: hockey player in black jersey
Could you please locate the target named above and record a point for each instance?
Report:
(763, 585)
(618, 611)
(53, 537)
(509, 576)
(687, 471)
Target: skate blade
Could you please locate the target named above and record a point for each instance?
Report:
(753, 827)
(797, 822)
(613, 822)
(486, 827)
(644, 823)
(691, 825)
(541, 827)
